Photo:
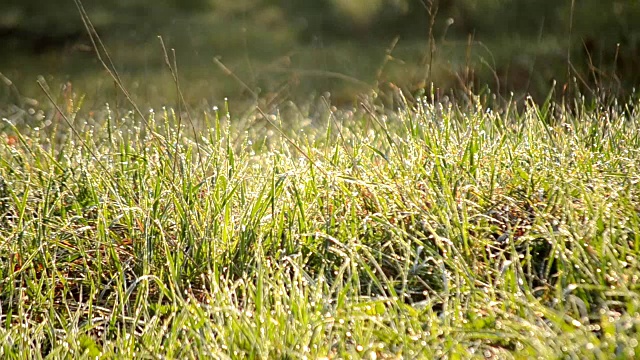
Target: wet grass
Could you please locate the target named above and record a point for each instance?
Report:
(434, 230)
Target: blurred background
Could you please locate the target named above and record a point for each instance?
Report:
(296, 50)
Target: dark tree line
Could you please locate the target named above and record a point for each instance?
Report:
(598, 27)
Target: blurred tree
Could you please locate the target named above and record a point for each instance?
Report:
(341, 18)
(41, 25)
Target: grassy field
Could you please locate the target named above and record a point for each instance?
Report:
(433, 230)
(394, 226)
(268, 47)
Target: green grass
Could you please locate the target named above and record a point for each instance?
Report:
(272, 61)
(432, 231)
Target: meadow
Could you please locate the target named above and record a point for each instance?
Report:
(400, 226)
(432, 230)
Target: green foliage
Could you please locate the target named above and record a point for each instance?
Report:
(437, 229)
(479, 16)
(58, 18)
(282, 49)
(429, 230)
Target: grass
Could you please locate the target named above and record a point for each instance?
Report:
(271, 59)
(430, 231)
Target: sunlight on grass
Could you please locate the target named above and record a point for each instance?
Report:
(434, 230)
